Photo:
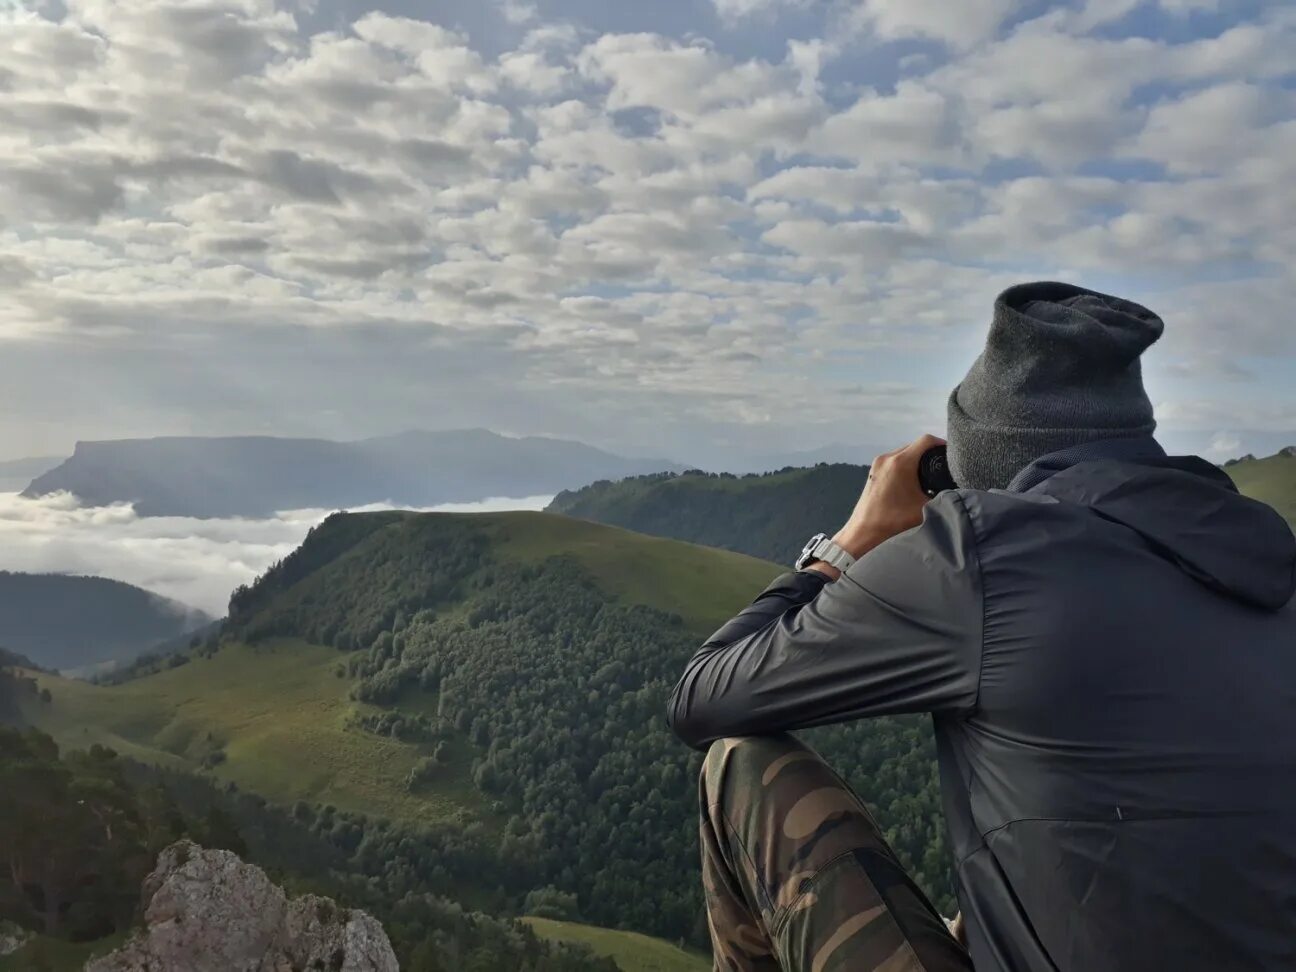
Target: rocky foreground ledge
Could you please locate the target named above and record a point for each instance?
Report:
(209, 911)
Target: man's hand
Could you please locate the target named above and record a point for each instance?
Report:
(892, 502)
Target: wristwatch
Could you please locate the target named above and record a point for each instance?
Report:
(823, 547)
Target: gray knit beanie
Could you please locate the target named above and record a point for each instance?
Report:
(1060, 368)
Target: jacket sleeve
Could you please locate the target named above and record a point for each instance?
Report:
(901, 631)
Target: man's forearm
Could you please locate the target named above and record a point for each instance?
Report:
(788, 592)
(785, 592)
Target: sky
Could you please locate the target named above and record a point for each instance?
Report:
(683, 228)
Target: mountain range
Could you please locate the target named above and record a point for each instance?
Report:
(258, 476)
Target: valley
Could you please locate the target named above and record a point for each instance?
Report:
(501, 681)
(469, 707)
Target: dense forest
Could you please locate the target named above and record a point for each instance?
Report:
(768, 515)
(563, 693)
(323, 595)
(82, 830)
(65, 622)
(17, 687)
(79, 838)
(560, 691)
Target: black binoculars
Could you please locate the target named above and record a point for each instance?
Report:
(933, 472)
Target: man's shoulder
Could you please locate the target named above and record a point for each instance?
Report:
(998, 516)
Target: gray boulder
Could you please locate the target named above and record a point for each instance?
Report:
(209, 911)
(12, 938)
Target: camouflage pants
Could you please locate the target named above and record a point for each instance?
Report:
(799, 878)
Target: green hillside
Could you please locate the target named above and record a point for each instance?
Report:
(500, 683)
(768, 515)
(1272, 480)
(274, 718)
(83, 828)
(771, 515)
(631, 951)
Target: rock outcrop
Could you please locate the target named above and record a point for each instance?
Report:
(12, 938)
(209, 911)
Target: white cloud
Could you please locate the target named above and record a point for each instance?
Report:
(621, 234)
(196, 562)
(1224, 445)
(519, 12)
(960, 25)
(1188, 6)
(737, 9)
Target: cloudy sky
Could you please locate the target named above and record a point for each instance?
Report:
(678, 227)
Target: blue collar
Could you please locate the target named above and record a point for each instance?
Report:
(1130, 449)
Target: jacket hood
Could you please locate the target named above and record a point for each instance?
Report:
(1191, 513)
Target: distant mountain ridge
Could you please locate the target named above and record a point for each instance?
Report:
(768, 515)
(65, 622)
(772, 515)
(260, 475)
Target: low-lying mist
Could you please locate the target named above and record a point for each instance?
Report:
(197, 562)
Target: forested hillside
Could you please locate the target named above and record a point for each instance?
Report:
(61, 621)
(83, 829)
(770, 516)
(506, 672)
(774, 514)
(494, 630)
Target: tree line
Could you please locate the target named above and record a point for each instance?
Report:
(82, 830)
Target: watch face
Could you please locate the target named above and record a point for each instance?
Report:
(808, 550)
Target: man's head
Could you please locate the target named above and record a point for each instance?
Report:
(1060, 368)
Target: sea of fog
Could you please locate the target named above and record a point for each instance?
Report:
(197, 562)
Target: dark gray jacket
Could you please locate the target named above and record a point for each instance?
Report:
(1110, 661)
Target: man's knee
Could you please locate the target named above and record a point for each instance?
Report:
(747, 764)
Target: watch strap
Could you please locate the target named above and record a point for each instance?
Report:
(831, 553)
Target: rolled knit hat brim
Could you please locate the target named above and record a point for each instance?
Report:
(988, 456)
(1060, 368)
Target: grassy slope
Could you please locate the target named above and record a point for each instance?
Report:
(279, 712)
(770, 515)
(704, 585)
(1272, 480)
(630, 950)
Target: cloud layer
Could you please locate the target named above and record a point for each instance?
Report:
(237, 215)
(196, 562)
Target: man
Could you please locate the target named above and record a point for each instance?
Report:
(1106, 639)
